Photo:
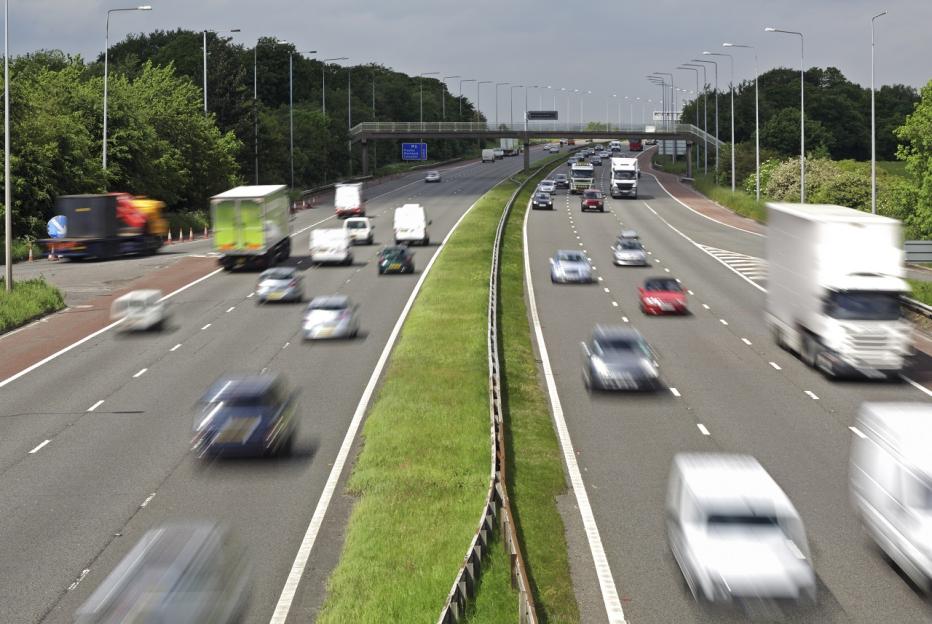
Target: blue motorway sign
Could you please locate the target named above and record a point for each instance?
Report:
(57, 227)
(414, 151)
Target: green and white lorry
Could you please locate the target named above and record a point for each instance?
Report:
(251, 226)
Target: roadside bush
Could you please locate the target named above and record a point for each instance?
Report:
(28, 300)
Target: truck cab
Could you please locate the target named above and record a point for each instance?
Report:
(625, 174)
(581, 177)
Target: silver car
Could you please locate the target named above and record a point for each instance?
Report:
(570, 266)
(547, 186)
(629, 252)
(280, 284)
(628, 234)
(332, 316)
(618, 358)
(432, 176)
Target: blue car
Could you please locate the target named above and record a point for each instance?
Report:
(249, 416)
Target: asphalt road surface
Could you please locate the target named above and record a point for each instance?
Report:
(94, 445)
(729, 389)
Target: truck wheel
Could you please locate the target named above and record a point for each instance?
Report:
(810, 351)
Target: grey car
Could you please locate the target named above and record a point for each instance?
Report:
(629, 252)
(569, 266)
(547, 186)
(432, 176)
(542, 200)
(618, 358)
(333, 316)
(628, 233)
(561, 181)
(280, 284)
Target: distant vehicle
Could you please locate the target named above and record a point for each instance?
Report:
(734, 533)
(614, 146)
(348, 200)
(542, 200)
(140, 310)
(891, 483)
(108, 226)
(397, 259)
(547, 186)
(252, 415)
(570, 266)
(618, 358)
(330, 246)
(554, 149)
(561, 180)
(184, 573)
(499, 153)
(360, 230)
(634, 145)
(834, 285)
(629, 252)
(572, 160)
(333, 316)
(628, 233)
(510, 147)
(488, 155)
(571, 142)
(605, 154)
(596, 160)
(581, 177)
(625, 174)
(650, 141)
(592, 199)
(280, 284)
(432, 176)
(410, 225)
(662, 295)
(251, 226)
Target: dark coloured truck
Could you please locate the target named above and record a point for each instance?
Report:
(108, 226)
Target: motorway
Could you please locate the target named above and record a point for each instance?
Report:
(729, 389)
(94, 449)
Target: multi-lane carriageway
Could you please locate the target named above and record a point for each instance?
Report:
(94, 444)
(730, 389)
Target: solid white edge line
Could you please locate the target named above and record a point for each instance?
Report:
(602, 569)
(290, 589)
(39, 447)
(917, 385)
(176, 347)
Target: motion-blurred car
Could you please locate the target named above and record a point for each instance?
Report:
(570, 266)
(251, 415)
(618, 358)
(280, 284)
(360, 230)
(499, 153)
(432, 176)
(628, 233)
(333, 316)
(554, 149)
(183, 573)
(547, 186)
(561, 181)
(662, 295)
(734, 533)
(592, 199)
(605, 154)
(542, 200)
(572, 160)
(395, 259)
(596, 161)
(140, 310)
(629, 252)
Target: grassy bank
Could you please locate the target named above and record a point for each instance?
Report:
(922, 291)
(665, 163)
(740, 202)
(29, 300)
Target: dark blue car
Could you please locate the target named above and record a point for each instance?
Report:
(246, 416)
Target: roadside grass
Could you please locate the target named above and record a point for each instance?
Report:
(665, 163)
(29, 300)
(740, 202)
(893, 167)
(922, 291)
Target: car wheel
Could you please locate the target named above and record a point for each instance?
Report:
(286, 449)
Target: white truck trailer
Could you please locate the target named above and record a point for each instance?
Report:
(834, 287)
(625, 174)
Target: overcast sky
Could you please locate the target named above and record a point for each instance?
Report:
(603, 47)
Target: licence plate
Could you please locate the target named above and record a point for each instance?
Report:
(666, 306)
(237, 430)
(394, 265)
(274, 295)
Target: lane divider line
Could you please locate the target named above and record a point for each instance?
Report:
(39, 447)
(702, 429)
(675, 392)
(775, 365)
(811, 395)
(176, 347)
(206, 326)
(95, 405)
(141, 372)
(746, 341)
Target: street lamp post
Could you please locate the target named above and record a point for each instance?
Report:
(497, 85)
(694, 69)
(672, 104)
(461, 95)
(479, 97)
(873, 124)
(511, 107)
(106, 75)
(323, 81)
(717, 140)
(615, 95)
(756, 117)
(290, 108)
(443, 96)
(802, 108)
(255, 104)
(421, 81)
(234, 30)
(7, 194)
(731, 85)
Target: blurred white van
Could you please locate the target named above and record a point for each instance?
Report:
(411, 224)
(140, 310)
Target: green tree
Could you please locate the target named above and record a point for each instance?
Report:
(916, 149)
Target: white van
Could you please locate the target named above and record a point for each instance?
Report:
(734, 533)
(488, 155)
(140, 310)
(890, 479)
(330, 246)
(411, 224)
(625, 174)
(360, 230)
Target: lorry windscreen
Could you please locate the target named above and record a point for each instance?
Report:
(623, 175)
(581, 173)
(863, 306)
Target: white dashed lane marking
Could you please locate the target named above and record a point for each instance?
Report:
(39, 447)
(702, 429)
(775, 366)
(95, 405)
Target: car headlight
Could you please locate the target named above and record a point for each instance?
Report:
(599, 366)
(648, 367)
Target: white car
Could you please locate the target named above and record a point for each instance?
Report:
(547, 186)
(140, 310)
(360, 229)
(332, 316)
(432, 176)
(499, 153)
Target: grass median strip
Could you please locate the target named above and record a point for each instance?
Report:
(29, 300)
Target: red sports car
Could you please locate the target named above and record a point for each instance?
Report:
(662, 295)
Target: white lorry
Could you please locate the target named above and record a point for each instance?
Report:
(834, 288)
(330, 246)
(510, 147)
(410, 224)
(582, 175)
(488, 155)
(614, 146)
(890, 480)
(625, 174)
(348, 200)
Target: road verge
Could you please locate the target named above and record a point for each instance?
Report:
(27, 301)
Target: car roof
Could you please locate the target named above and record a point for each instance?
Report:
(143, 295)
(330, 301)
(608, 332)
(904, 427)
(238, 386)
(279, 269)
(660, 279)
(389, 248)
(560, 252)
(731, 481)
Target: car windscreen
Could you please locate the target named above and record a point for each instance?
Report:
(571, 256)
(663, 285)
(278, 274)
(326, 305)
(593, 195)
(543, 197)
(356, 225)
(582, 173)
(393, 254)
(621, 344)
(862, 306)
(560, 177)
(629, 244)
(726, 521)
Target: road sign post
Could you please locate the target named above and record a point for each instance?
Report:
(414, 151)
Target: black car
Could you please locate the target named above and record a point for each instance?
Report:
(252, 415)
(396, 259)
(561, 181)
(542, 200)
